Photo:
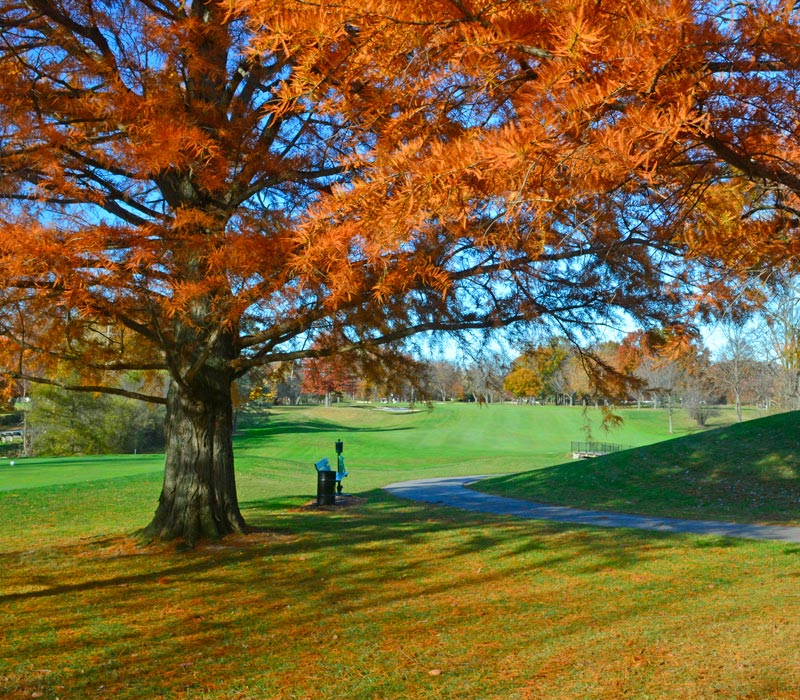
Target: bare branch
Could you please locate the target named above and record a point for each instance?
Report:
(87, 388)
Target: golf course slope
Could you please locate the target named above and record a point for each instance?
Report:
(747, 472)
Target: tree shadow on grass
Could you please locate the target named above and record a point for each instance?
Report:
(382, 523)
(139, 612)
(672, 480)
(313, 426)
(387, 522)
(50, 589)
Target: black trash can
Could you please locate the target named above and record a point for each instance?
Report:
(326, 488)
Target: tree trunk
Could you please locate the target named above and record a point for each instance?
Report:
(198, 499)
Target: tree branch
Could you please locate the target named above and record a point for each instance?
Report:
(93, 388)
(386, 339)
(749, 166)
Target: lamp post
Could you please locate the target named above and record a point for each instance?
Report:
(340, 465)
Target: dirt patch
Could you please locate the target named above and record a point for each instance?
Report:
(343, 501)
(254, 537)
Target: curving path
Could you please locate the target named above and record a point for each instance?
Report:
(452, 491)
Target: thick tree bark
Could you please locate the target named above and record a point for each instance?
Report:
(198, 498)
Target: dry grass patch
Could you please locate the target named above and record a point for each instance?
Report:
(394, 600)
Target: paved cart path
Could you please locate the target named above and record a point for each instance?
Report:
(452, 491)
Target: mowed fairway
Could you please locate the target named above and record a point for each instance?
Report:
(387, 444)
(387, 598)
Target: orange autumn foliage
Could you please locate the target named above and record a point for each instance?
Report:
(205, 187)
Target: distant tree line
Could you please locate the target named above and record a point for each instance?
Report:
(756, 363)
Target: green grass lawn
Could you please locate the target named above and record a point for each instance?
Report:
(17, 473)
(382, 446)
(392, 599)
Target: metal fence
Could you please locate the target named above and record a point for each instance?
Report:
(595, 449)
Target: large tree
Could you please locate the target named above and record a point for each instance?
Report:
(328, 376)
(200, 188)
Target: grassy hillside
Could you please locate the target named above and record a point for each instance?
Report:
(452, 438)
(275, 454)
(748, 472)
(688, 477)
(274, 459)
